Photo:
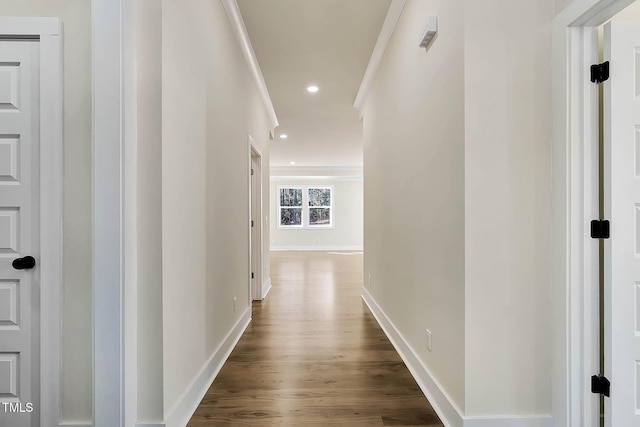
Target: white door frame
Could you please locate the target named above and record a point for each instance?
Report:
(254, 150)
(49, 31)
(575, 204)
(114, 168)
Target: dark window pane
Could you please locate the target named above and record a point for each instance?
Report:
(319, 216)
(291, 216)
(290, 197)
(319, 197)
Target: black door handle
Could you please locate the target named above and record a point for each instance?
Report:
(24, 263)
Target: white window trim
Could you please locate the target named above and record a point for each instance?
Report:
(305, 208)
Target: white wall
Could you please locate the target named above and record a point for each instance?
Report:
(347, 232)
(76, 321)
(462, 133)
(414, 189)
(150, 327)
(209, 106)
(508, 207)
(560, 5)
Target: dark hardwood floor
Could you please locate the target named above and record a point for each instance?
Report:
(314, 355)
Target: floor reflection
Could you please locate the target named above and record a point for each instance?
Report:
(314, 355)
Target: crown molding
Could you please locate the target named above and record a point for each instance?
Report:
(390, 22)
(316, 178)
(322, 170)
(233, 12)
(315, 173)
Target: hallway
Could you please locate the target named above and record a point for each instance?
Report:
(314, 355)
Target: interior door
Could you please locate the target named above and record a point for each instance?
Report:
(256, 277)
(19, 233)
(622, 207)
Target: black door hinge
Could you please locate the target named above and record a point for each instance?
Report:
(251, 171)
(600, 229)
(252, 275)
(600, 385)
(600, 72)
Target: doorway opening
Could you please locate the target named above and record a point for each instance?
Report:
(257, 289)
(599, 131)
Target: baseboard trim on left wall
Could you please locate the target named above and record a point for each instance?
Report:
(90, 424)
(180, 415)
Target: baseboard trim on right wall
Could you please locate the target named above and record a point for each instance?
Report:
(510, 421)
(442, 403)
(266, 287)
(448, 412)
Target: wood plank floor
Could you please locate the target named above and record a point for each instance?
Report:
(314, 355)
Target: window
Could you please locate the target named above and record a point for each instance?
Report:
(305, 207)
(291, 207)
(319, 207)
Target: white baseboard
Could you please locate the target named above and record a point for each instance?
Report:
(183, 411)
(266, 287)
(315, 248)
(444, 406)
(90, 424)
(507, 421)
(448, 412)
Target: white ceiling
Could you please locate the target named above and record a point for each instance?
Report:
(323, 42)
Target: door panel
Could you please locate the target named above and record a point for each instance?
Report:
(19, 233)
(622, 206)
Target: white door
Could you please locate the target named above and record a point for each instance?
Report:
(256, 276)
(19, 233)
(622, 207)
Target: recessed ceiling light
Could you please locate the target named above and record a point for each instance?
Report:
(284, 136)
(292, 163)
(312, 89)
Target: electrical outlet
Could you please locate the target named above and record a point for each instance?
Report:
(428, 339)
(235, 303)
(369, 279)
